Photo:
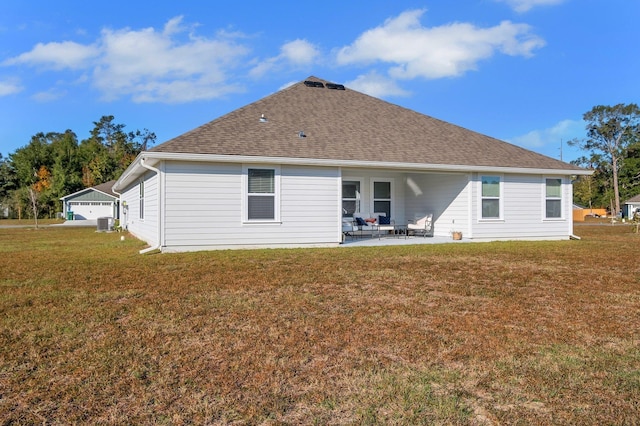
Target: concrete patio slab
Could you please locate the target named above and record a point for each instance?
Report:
(401, 240)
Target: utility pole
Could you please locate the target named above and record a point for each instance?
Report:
(560, 149)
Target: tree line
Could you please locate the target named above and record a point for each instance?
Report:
(53, 165)
(612, 151)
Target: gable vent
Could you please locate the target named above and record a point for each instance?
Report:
(310, 83)
(335, 86)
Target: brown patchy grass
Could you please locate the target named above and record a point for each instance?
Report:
(29, 222)
(495, 333)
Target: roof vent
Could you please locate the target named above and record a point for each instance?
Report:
(310, 83)
(263, 119)
(335, 86)
(301, 134)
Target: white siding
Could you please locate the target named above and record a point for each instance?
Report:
(523, 213)
(204, 208)
(147, 228)
(444, 195)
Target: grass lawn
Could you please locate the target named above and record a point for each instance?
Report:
(29, 222)
(486, 333)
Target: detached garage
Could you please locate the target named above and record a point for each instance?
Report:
(91, 203)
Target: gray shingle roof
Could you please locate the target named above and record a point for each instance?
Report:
(635, 199)
(107, 188)
(349, 125)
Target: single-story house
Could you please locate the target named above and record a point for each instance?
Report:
(91, 203)
(631, 206)
(286, 170)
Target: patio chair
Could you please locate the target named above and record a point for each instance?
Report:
(385, 224)
(423, 224)
(348, 227)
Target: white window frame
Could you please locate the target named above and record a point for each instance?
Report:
(141, 199)
(391, 194)
(358, 200)
(545, 198)
(500, 198)
(275, 195)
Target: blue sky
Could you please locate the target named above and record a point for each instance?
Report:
(524, 71)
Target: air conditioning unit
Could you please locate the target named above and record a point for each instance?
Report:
(103, 224)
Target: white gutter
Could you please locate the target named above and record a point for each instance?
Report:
(128, 174)
(154, 157)
(119, 206)
(159, 244)
(158, 156)
(117, 193)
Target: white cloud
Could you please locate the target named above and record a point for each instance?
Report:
(522, 6)
(49, 96)
(563, 131)
(263, 67)
(10, 87)
(297, 53)
(376, 85)
(173, 26)
(58, 56)
(154, 67)
(172, 65)
(445, 51)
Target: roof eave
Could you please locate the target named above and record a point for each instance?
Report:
(153, 158)
(86, 190)
(130, 173)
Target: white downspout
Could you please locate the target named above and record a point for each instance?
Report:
(120, 209)
(159, 244)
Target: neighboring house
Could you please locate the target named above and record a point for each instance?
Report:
(91, 203)
(285, 170)
(631, 206)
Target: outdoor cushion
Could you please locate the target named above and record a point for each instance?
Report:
(360, 221)
(384, 220)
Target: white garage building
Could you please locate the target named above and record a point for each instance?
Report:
(631, 206)
(91, 203)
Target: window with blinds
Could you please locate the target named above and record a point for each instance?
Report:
(553, 198)
(261, 194)
(382, 198)
(490, 197)
(141, 211)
